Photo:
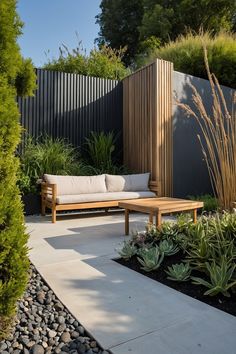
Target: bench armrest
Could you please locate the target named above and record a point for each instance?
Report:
(154, 186)
(48, 189)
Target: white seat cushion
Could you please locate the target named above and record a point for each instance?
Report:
(102, 197)
(127, 183)
(69, 185)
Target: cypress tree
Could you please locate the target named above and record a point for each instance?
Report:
(14, 261)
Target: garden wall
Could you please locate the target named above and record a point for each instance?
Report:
(190, 174)
(70, 106)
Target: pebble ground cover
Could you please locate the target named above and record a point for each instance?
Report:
(44, 326)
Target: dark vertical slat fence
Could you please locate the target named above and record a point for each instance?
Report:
(70, 106)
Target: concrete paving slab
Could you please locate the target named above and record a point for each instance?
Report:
(125, 311)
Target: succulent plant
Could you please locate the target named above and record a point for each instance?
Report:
(139, 238)
(220, 278)
(168, 247)
(150, 258)
(128, 250)
(179, 272)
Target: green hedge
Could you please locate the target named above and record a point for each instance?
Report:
(187, 55)
(15, 74)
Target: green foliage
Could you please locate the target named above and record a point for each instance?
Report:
(207, 247)
(12, 65)
(220, 278)
(187, 55)
(100, 149)
(104, 62)
(150, 258)
(210, 202)
(179, 272)
(141, 25)
(13, 238)
(167, 20)
(128, 250)
(47, 155)
(168, 247)
(26, 79)
(119, 22)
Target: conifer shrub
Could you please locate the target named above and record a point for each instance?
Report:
(13, 238)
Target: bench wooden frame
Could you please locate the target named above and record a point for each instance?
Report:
(51, 190)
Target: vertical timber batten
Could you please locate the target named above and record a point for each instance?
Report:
(147, 123)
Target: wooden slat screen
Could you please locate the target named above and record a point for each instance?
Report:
(147, 123)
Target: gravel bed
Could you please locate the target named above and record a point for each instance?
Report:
(44, 326)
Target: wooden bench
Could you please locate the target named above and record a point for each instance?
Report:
(49, 196)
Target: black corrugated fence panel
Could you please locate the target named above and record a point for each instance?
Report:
(70, 106)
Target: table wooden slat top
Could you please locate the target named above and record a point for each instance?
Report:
(163, 204)
(158, 206)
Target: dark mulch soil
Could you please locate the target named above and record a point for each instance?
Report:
(196, 291)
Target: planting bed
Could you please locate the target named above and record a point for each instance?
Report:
(196, 291)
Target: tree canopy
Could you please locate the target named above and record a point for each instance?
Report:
(119, 23)
(133, 23)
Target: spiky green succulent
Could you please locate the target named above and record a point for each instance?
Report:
(179, 272)
(168, 247)
(150, 259)
(220, 278)
(128, 250)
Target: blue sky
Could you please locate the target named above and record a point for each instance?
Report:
(49, 23)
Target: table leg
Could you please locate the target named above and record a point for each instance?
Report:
(127, 221)
(158, 220)
(195, 216)
(151, 218)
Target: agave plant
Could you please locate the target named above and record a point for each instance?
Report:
(179, 272)
(168, 247)
(182, 241)
(150, 259)
(128, 250)
(220, 278)
(168, 229)
(199, 250)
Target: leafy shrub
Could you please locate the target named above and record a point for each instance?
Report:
(100, 149)
(210, 202)
(188, 57)
(52, 156)
(104, 62)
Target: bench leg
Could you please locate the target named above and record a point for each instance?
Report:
(43, 208)
(195, 216)
(53, 214)
(151, 218)
(158, 220)
(127, 221)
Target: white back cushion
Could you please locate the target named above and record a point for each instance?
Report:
(127, 183)
(69, 185)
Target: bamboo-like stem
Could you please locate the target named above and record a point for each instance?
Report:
(218, 139)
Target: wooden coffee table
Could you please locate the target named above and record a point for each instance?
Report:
(158, 206)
